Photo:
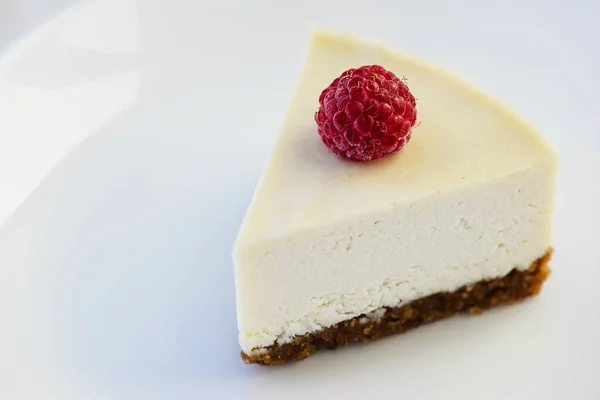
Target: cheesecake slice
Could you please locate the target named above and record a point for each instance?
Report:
(333, 251)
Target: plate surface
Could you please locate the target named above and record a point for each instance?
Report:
(132, 134)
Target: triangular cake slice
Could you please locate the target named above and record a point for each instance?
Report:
(333, 251)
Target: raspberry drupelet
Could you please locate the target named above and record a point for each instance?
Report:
(366, 113)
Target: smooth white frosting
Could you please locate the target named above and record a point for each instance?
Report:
(325, 240)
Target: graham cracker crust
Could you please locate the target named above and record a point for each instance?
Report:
(474, 298)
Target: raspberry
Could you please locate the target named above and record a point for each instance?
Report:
(366, 113)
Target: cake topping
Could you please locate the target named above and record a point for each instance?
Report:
(366, 113)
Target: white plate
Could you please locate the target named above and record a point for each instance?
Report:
(115, 272)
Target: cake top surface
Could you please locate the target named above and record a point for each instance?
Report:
(463, 137)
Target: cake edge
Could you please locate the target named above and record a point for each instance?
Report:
(474, 298)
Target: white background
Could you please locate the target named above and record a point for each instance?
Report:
(18, 17)
(115, 273)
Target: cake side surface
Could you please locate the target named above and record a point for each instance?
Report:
(314, 279)
(514, 287)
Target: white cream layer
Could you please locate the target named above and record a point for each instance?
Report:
(324, 240)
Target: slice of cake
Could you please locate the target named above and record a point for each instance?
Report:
(334, 250)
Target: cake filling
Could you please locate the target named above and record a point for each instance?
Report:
(305, 282)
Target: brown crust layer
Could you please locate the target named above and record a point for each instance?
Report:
(475, 298)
